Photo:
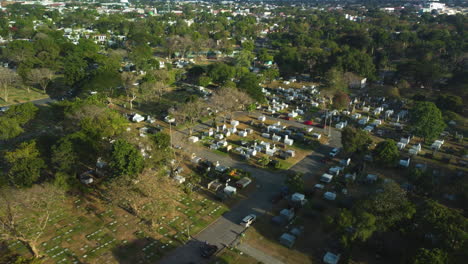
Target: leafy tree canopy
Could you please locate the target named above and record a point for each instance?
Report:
(25, 164)
(426, 120)
(126, 159)
(386, 153)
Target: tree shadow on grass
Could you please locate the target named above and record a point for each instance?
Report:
(141, 250)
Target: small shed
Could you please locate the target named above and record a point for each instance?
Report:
(290, 153)
(326, 178)
(405, 162)
(214, 185)
(287, 214)
(329, 196)
(297, 197)
(229, 190)
(179, 179)
(244, 182)
(350, 176)
(137, 118)
(287, 240)
(331, 258)
(319, 186)
(335, 170)
(371, 178)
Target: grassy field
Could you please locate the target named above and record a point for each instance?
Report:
(21, 95)
(80, 233)
(233, 256)
(264, 236)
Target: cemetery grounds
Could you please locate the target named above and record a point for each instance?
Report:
(78, 232)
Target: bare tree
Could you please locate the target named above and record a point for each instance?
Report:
(41, 76)
(7, 79)
(190, 113)
(154, 89)
(229, 100)
(129, 81)
(25, 213)
(142, 197)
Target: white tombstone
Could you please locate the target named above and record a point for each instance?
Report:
(219, 136)
(252, 152)
(276, 138)
(265, 135)
(401, 145)
(405, 140)
(288, 141)
(234, 123)
(193, 139)
(405, 162)
(242, 133)
(262, 118)
(292, 114)
(228, 148)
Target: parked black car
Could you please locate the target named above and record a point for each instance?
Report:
(208, 250)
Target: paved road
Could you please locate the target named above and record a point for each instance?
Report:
(36, 102)
(226, 229)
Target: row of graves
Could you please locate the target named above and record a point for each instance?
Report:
(367, 117)
(287, 221)
(255, 139)
(223, 181)
(86, 234)
(294, 103)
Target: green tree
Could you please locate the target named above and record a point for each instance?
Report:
(64, 157)
(430, 256)
(19, 51)
(162, 140)
(126, 160)
(390, 206)
(264, 161)
(74, 68)
(340, 100)
(448, 226)
(25, 164)
(334, 81)
(220, 72)
(204, 81)
(9, 128)
(248, 45)
(386, 152)
(357, 225)
(355, 140)
(295, 182)
(244, 58)
(270, 74)
(264, 56)
(288, 60)
(452, 103)
(426, 120)
(22, 112)
(249, 83)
